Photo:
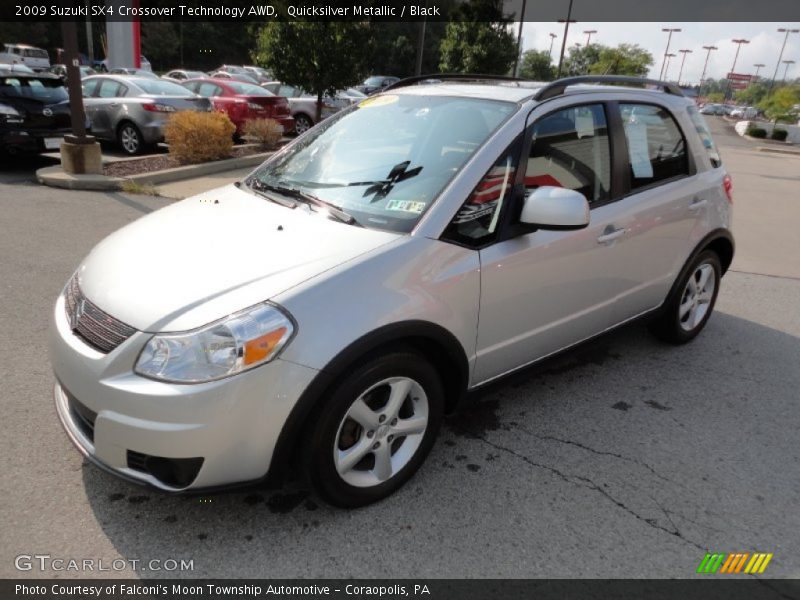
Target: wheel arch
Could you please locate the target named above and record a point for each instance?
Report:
(432, 341)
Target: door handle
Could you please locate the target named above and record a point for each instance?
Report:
(697, 203)
(611, 235)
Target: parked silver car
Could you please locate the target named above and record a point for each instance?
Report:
(133, 110)
(181, 75)
(304, 105)
(326, 312)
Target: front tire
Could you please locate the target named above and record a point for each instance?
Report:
(375, 429)
(302, 123)
(691, 303)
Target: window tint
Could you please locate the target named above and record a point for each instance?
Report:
(703, 131)
(571, 149)
(248, 89)
(108, 89)
(89, 87)
(45, 90)
(157, 87)
(656, 148)
(477, 221)
(208, 90)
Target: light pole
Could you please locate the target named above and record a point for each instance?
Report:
(567, 21)
(705, 66)
(780, 56)
(519, 37)
(786, 70)
(758, 68)
(668, 57)
(553, 37)
(589, 33)
(738, 43)
(669, 30)
(683, 61)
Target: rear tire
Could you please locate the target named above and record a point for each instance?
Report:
(691, 302)
(130, 139)
(302, 123)
(374, 430)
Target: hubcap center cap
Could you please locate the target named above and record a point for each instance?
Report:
(382, 432)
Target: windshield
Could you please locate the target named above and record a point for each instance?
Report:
(385, 161)
(373, 81)
(50, 91)
(159, 87)
(247, 89)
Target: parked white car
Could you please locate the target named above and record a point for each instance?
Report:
(36, 59)
(744, 112)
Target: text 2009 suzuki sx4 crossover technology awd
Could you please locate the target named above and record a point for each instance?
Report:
(325, 313)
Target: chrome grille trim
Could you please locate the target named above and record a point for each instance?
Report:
(98, 329)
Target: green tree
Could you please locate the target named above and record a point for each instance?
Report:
(716, 97)
(753, 94)
(779, 106)
(480, 41)
(160, 44)
(536, 65)
(320, 57)
(597, 59)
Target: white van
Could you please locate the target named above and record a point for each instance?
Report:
(35, 58)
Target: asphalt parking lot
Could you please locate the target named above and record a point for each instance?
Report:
(625, 458)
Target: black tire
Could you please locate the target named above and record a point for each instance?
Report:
(130, 139)
(670, 325)
(324, 437)
(302, 123)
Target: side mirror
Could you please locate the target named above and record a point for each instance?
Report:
(550, 207)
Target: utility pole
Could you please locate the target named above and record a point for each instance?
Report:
(553, 37)
(758, 68)
(89, 37)
(738, 43)
(589, 33)
(683, 61)
(786, 70)
(519, 38)
(669, 30)
(666, 68)
(567, 21)
(705, 66)
(780, 56)
(421, 46)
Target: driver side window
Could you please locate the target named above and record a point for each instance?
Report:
(571, 149)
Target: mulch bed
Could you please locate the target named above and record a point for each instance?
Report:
(159, 162)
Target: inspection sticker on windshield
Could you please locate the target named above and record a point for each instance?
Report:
(406, 206)
(378, 101)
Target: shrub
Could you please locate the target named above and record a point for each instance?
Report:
(757, 132)
(195, 137)
(264, 132)
(779, 134)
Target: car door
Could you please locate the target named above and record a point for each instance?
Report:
(658, 209)
(544, 290)
(90, 101)
(106, 104)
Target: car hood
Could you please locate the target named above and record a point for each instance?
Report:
(210, 255)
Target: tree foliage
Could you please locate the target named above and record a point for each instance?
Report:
(480, 41)
(318, 56)
(536, 65)
(779, 106)
(597, 59)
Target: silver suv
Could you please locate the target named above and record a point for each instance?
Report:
(325, 313)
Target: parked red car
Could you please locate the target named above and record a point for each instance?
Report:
(243, 101)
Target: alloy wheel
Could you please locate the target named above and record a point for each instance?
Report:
(129, 139)
(697, 297)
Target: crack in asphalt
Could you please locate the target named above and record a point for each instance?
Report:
(587, 483)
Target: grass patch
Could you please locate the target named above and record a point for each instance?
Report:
(134, 187)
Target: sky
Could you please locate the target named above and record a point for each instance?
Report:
(764, 47)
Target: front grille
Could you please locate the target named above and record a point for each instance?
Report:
(82, 416)
(98, 329)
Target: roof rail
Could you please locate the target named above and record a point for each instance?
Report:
(559, 86)
(440, 77)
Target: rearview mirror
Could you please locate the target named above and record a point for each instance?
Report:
(549, 207)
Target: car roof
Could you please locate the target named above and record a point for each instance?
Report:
(30, 74)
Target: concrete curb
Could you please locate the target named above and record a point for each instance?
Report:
(56, 177)
(777, 150)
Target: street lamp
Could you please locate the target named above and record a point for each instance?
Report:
(683, 61)
(705, 66)
(566, 22)
(519, 38)
(786, 70)
(669, 30)
(553, 37)
(758, 68)
(668, 57)
(738, 43)
(589, 33)
(780, 56)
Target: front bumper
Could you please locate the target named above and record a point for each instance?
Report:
(29, 141)
(140, 429)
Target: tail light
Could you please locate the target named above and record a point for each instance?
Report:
(156, 107)
(727, 185)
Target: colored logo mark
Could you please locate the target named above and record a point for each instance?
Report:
(735, 563)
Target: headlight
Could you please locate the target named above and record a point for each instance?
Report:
(8, 111)
(236, 343)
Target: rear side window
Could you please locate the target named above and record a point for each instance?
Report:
(656, 147)
(703, 131)
(571, 149)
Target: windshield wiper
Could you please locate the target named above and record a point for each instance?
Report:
(259, 188)
(381, 187)
(310, 199)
